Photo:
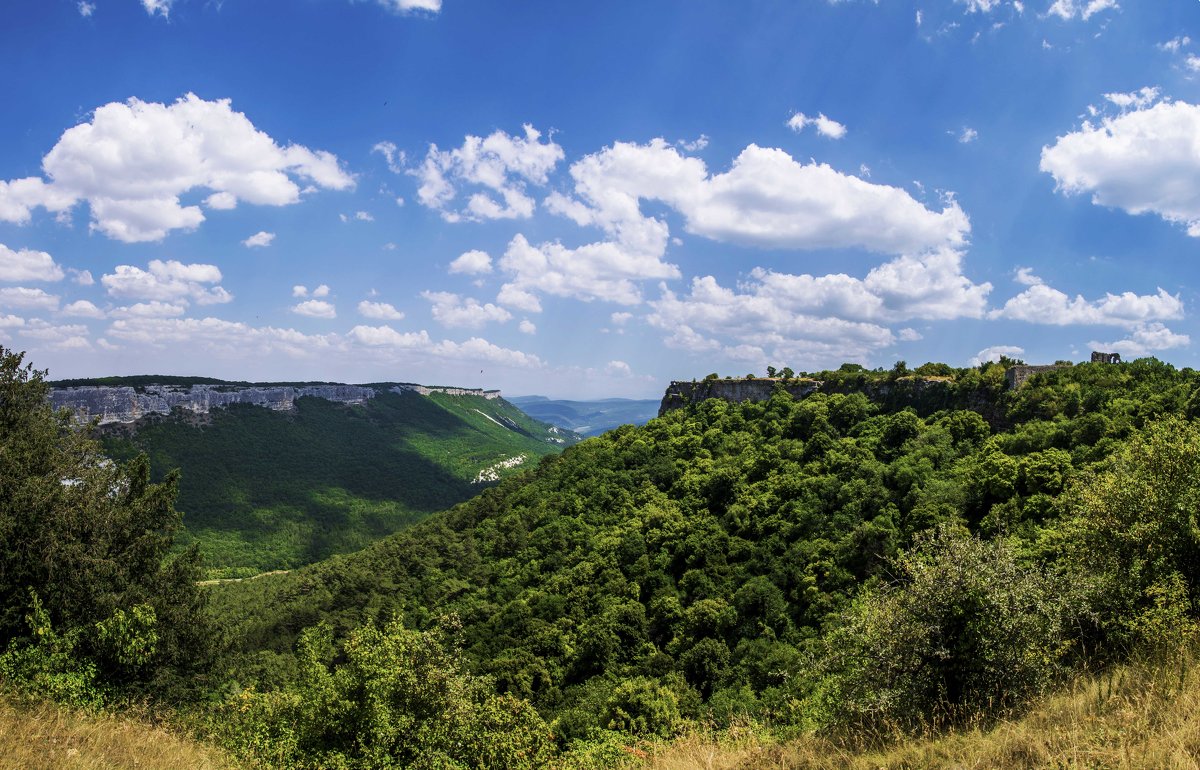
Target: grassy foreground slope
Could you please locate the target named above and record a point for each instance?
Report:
(1136, 717)
(42, 736)
(264, 490)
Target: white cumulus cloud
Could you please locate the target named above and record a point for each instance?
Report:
(169, 281)
(1144, 340)
(1142, 161)
(1139, 100)
(160, 7)
(766, 198)
(993, 354)
(1046, 305)
(56, 337)
(220, 337)
(23, 298)
(151, 309)
(83, 309)
(827, 127)
(474, 349)
(133, 160)
(472, 262)
(606, 270)
(1025, 277)
(979, 6)
(1175, 44)
(1083, 9)
(81, 277)
(408, 6)
(28, 265)
(380, 310)
(259, 240)
(396, 158)
(499, 167)
(824, 319)
(454, 311)
(315, 308)
(618, 368)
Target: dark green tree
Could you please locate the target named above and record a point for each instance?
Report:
(92, 540)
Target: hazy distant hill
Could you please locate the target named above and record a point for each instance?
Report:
(589, 418)
(282, 480)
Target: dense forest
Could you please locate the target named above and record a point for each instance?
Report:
(899, 552)
(264, 490)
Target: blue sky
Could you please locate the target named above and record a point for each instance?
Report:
(590, 199)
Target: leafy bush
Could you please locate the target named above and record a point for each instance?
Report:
(1132, 539)
(399, 699)
(48, 666)
(965, 631)
(642, 706)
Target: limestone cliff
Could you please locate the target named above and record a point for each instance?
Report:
(426, 390)
(680, 393)
(129, 404)
(925, 394)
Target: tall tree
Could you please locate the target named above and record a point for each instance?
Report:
(93, 540)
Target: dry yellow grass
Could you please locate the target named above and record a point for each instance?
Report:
(1136, 717)
(43, 736)
(1133, 719)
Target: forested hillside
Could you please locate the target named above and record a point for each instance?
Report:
(898, 553)
(265, 490)
(799, 561)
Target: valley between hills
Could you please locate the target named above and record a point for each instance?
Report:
(278, 475)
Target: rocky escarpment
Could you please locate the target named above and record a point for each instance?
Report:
(924, 394)
(680, 393)
(426, 390)
(123, 404)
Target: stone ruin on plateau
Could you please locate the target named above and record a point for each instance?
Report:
(1017, 375)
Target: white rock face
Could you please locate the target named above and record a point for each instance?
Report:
(492, 472)
(126, 404)
(425, 390)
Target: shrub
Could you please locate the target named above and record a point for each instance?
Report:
(643, 706)
(399, 699)
(1132, 539)
(965, 631)
(48, 666)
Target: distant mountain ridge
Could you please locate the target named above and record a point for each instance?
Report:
(590, 418)
(128, 399)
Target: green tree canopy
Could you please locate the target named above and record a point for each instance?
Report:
(92, 540)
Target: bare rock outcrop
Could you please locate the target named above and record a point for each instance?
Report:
(125, 404)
